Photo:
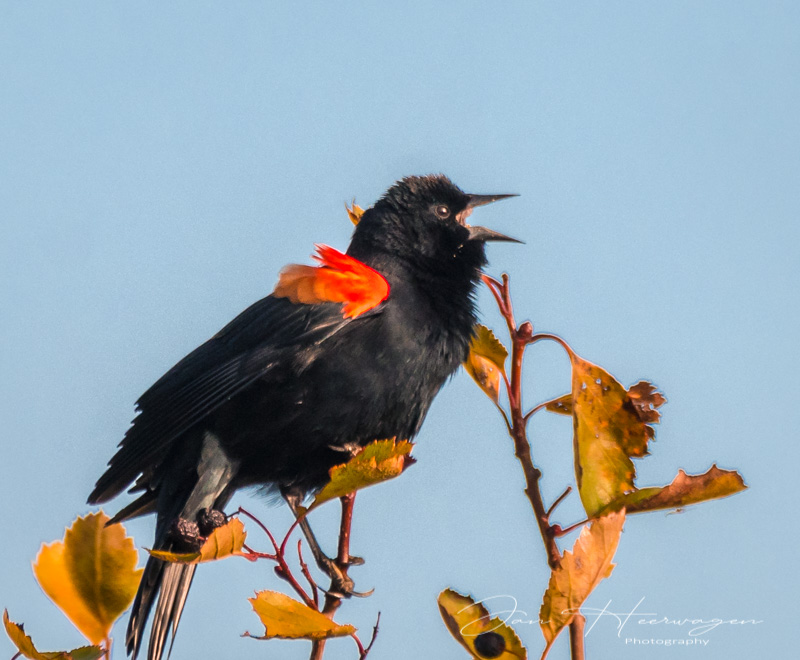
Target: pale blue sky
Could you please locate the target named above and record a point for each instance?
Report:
(159, 164)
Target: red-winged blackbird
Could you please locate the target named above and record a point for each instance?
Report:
(338, 356)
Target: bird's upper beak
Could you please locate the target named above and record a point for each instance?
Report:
(483, 233)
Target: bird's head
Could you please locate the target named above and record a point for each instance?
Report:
(425, 218)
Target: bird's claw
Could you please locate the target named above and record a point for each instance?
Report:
(342, 585)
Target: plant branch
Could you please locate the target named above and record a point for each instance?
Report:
(282, 570)
(521, 337)
(332, 602)
(576, 637)
(307, 573)
(558, 501)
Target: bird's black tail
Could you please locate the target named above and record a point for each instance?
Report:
(170, 583)
(182, 494)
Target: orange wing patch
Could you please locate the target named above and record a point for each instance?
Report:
(338, 278)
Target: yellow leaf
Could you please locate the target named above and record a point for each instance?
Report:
(608, 431)
(579, 572)
(287, 618)
(471, 625)
(91, 575)
(562, 405)
(354, 212)
(486, 361)
(224, 541)
(25, 645)
(684, 490)
(378, 461)
(644, 397)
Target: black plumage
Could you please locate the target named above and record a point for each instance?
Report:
(279, 394)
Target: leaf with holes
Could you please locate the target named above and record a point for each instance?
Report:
(91, 575)
(471, 625)
(378, 461)
(486, 361)
(609, 430)
(287, 618)
(225, 541)
(644, 396)
(579, 572)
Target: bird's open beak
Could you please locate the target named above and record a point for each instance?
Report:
(483, 233)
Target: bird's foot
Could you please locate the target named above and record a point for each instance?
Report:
(185, 536)
(190, 535)
(209, 519)
(342, 585)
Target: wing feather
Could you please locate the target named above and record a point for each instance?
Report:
(267, 334)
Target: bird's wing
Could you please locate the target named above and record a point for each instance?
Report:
(305, 310)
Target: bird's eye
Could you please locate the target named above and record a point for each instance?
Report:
(443, 211)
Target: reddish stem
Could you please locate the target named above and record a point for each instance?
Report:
(520, 338)
(307, 573)
(332, 603)
(282, 570)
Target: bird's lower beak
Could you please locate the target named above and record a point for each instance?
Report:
(486, 234)
(483, 233)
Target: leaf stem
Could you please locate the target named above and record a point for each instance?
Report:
(546, 335)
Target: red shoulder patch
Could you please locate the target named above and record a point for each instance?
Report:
(338, 278)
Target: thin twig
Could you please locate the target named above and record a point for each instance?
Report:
(245, 512)
(374, 634)
(307, 573)
(282, 570)
(558, 501)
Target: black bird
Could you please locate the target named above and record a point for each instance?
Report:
(339, 355)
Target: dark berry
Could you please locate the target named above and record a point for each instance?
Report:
(490, 645)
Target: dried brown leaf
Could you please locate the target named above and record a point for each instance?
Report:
(579, 572)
